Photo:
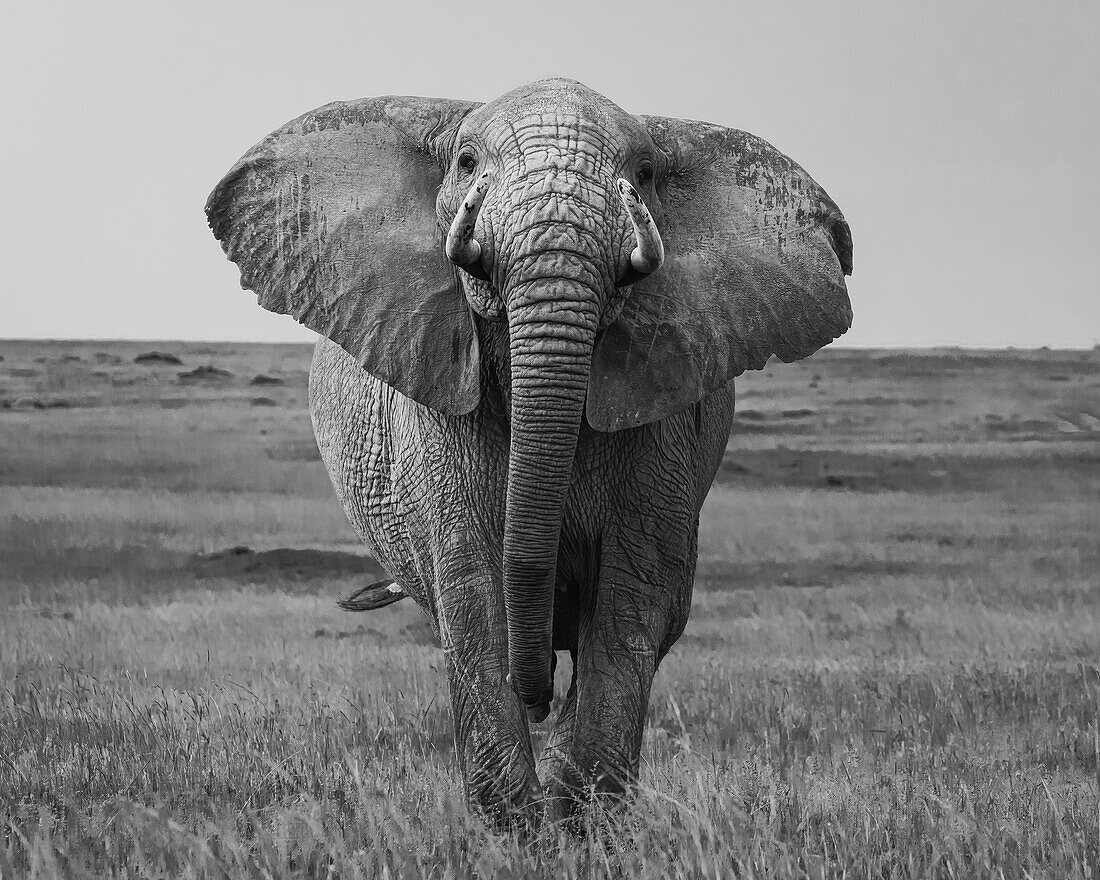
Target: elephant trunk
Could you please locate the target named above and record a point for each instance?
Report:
(552, 326)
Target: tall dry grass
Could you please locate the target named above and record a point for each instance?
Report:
(882, 683)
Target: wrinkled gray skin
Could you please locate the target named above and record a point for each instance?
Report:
(427, 494)
(493, 502)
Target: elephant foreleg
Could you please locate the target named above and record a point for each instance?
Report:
(492, 740)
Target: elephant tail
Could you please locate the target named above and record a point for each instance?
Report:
(373, 596)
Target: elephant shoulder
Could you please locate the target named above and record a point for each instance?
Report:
(353, 420)
(349, 408)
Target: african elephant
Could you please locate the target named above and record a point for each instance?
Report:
(532, 312)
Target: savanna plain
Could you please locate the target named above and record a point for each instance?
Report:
(892, 667)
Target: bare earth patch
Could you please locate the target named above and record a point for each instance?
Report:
(285, 563)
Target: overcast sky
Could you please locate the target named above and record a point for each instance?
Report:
(959, 138)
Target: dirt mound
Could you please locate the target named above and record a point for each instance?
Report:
(756, 422)
(30, 402)
(264, 379)
(27, 403)
(206, 375)
(153, 358)
(286, 563)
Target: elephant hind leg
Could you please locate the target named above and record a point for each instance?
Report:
(576, 764)
(557, 774)
(555, 757)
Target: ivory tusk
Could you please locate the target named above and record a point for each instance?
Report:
(648, 256)
(462, 248)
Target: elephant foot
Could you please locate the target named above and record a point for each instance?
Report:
(567, 792)
(510, 801)
(562, 789)
(573, 777)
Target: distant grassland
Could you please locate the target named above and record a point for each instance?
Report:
(892, 666)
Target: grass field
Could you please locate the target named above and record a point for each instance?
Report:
(892, 667)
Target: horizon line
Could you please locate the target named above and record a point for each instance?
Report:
(836, 344)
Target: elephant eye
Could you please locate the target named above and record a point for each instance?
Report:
(644, 174)
(467, 163)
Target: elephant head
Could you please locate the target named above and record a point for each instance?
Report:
(632, 264)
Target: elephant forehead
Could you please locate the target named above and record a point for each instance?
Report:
(565, 106)
(561, 138)
(551, 94)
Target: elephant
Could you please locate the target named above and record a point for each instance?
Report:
(531, 313)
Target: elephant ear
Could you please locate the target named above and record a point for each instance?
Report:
(756, 254)
(332, 219)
